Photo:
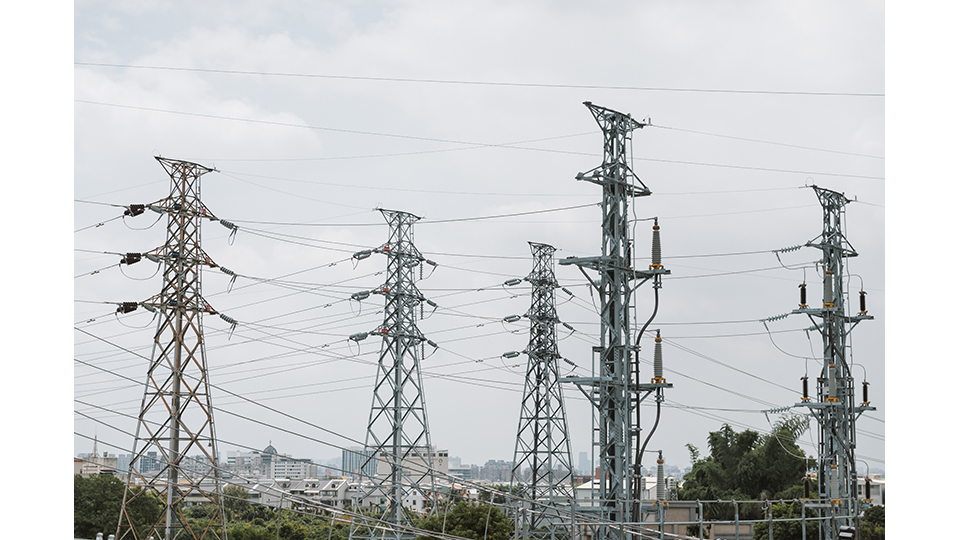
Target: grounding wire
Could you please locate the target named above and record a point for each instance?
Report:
(480, 83)
(766, 142)
(447, 141)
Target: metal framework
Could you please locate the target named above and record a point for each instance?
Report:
(398, 436)
(616, 392)
(542, 463)
(835, 409)
(176, 415)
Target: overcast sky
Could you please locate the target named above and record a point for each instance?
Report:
(316, 113)
(425, 148)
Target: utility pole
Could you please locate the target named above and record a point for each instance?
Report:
(398, 435)
(543, 440)
(616, 391)
(176, 414)
(835, 409)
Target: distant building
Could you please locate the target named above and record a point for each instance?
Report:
(294, 469)
(356, 462)
(418, 464)
(469, 472)
(496, 470)
(91, 465)
(584, 465)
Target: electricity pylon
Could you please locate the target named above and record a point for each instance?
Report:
(617, 391)
(398, 435)
(543, 440)
(176, 414)
(835, 410)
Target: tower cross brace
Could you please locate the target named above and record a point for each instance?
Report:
(543, 440)
(614, 392)
(176, 414)
(398, 434)
(835, 410)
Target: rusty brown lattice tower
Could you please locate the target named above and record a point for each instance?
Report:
(175, 448)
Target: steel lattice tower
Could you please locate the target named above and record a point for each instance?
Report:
(176, 415)
(543, 441)
(398, 435)
(616, 392)
(835, 410)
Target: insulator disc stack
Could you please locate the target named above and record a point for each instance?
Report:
(658, 358)
(828, 289)
(661, 484)
(656, 257)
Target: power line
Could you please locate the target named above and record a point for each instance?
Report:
(487, 83)
(448, 141)
(767, 142)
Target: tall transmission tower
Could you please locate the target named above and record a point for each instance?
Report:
(616, 391)
(176, 414)
(398, 434)
(835, 409)
(543, 440)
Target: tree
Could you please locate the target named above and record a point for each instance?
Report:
(789, 530)
(97, 501)
(873, 523)
(747, 466)
(469, 520)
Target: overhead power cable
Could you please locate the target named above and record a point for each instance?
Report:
(448, 141)
(767, 142)
(485, 83)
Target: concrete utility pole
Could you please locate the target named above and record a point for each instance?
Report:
(398, 434)
(617, 391)
(176, 415)
(543, 441)
(835, 409)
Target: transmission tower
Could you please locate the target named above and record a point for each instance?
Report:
(617, 391)
(398, 436)
(835, 409)
(543, 441)
(176, 414)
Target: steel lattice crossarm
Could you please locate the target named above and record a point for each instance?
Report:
(398, 434)
(616, 389)
(615, 170)
(176, 415)
(835, 408)
(542, 464)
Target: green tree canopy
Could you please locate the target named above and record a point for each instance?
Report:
(470, 520)
(96, 507)
(747, 465)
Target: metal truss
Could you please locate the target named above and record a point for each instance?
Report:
(542, 464)
(616, 392)
(176, 415)
(835, 409)
(398, 436)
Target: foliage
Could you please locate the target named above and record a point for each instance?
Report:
(788, 530)
(747, 466)
(97, 501)
(873, 523)
(470, 520)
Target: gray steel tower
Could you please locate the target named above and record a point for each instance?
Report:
(543, 441)
(617, 391)
(398, 436)
(176, 416)
(835, 410)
